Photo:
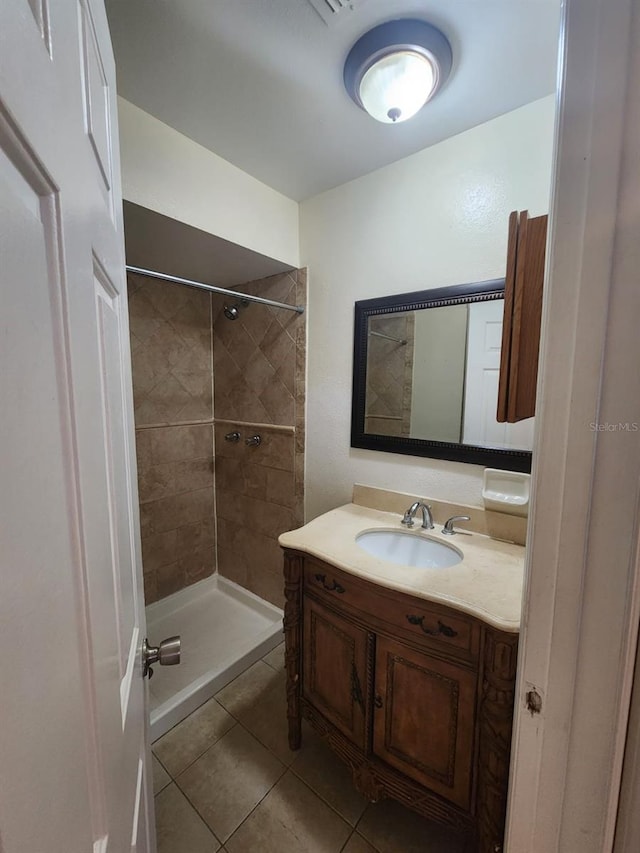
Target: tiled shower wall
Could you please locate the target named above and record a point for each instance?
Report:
(178, 334)
(389, 374)
(171, 352)
(259, 389)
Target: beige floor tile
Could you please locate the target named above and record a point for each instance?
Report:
(229, 780)
(392, 828)
(258, 699)
(179, 827)
(189, 739)
(160, 776)
(357, 844)
(325, 774)
(247, 689)
(266, 719)
(275, 658)
(290, 819)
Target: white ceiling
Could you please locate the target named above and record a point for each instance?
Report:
(260, 81)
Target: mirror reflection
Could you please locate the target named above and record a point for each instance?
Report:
(433, 373)
(426, 377)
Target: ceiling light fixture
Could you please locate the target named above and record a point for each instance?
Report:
(395, 68)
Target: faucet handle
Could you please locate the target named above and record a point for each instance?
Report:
(407, 518)
(448, 525)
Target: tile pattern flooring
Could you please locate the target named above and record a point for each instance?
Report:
(225, 780)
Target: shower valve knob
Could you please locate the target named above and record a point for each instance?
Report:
(232, 436)
(254, 441)
(166, 654)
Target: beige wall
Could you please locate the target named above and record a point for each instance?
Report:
(167, 172)
(433, 219)
(438, 373)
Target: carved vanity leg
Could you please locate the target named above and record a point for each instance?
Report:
(293, 643)
(496, 720)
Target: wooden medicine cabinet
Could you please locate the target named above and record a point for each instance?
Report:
(522, 317)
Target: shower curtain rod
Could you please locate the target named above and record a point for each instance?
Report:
(388, 337)
(212, 288)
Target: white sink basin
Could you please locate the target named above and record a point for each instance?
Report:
(408, 549)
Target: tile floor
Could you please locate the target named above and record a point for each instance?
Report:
(225, 780)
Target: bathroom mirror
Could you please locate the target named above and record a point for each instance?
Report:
(425, 377)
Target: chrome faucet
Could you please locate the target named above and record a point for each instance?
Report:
(448, 525)
(427, 517)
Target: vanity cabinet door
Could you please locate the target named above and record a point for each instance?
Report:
(424, 719)
(334, 669)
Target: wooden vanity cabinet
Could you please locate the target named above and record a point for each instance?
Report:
(416, 698)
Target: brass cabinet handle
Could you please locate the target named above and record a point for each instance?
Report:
(334, 586)
(443, 629)
(356, 690)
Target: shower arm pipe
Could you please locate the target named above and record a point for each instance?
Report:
(212, 288)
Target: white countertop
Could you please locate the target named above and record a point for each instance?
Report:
(487, 583)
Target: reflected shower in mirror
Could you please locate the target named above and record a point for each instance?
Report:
(426, 376)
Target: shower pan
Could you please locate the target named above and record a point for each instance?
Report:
(224, 629)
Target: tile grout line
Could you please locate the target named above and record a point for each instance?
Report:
(285, 769)
(343, 848)
(262, 799)
(325, 801)
(204, 751)
(322, 799)
(193, 806)
(237, 723)
(166, 785)
(161, 765)
(233, 717)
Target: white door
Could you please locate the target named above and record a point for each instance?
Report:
(72, 698)
(484, 340)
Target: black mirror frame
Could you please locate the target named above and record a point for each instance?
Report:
(489, 457)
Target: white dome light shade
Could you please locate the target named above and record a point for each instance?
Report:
(395, 87)
(395, 68)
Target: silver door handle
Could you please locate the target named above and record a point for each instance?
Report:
(166, 654)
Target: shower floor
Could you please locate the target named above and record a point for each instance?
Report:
(224, 629)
